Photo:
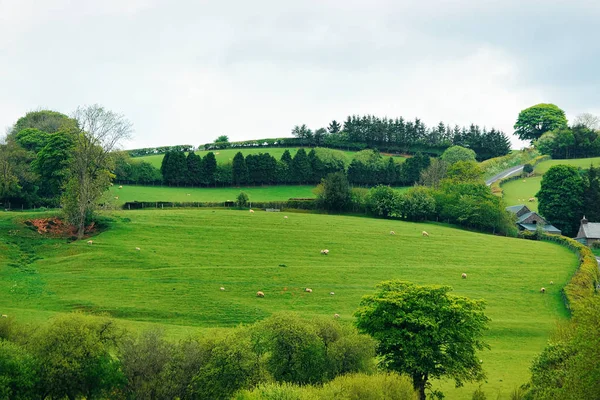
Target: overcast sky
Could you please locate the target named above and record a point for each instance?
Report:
(187, 71)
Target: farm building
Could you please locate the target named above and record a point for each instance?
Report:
(589, 232)
(528, 220)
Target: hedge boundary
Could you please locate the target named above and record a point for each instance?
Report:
(585, 282)
(305, 204)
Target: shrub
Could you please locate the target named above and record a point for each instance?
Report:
(479, 394)
(457, 153)
(528, 168)
(334, 192)
(417, 204)
(384, 201)
(242, 200)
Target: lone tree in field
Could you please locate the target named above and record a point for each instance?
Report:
(99, 132)
(425, 332)
(534, 121)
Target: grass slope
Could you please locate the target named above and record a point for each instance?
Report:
(165, 193)
(224, 156)
(583, 163)
(186, 255)
(520, 190)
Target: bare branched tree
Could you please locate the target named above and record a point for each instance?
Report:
(588, 120)
(98, 133)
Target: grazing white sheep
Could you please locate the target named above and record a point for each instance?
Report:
(260, 294)
(222, 289)
(331, 293)
(531, 200)
(4, 316)
(251, 211)
(336, 315)
(138, 249)
(116, 197)
(543, 290)
(285, 217)
(552, 282)
(90, 242)
(392, 233)
(120, 187)
(464, 276)
(189, 194)
(425, 233)
(308, 290)
(325, 252)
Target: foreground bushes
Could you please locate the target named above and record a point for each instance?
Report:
(78, 356)
(349, 387)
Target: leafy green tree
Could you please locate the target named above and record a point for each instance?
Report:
(9, 183)
(240, 170)
(465, 171)
(194, 169)
(286, 157)
(52, 164)
(18, 372)
(591, 195)
(528, 168)
(425, 332)
(433, 175)
(209, 167)
(334, 127)
(75, 358)
(145, 362)
(228, 364)
(32, 139)
(561, 198)
(417, 204)
(319, 136)
(296, 353)
(99, 132)
(303, 133)
(457, 153)
(534, 121)
(46, 121)
(224, 174)
(392, 172)
(178, 168)
(412, 168)
(335, 192)
(384, 201)
(300, 168)
(222, 139)
(145, 173)
(18, 181)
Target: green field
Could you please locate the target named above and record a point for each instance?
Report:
(186, 255)
(224, 156)
(583, 163)
(166, 193)
(521, 190)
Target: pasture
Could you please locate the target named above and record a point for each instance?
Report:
(180, 194)
(187, 255)
(226, 155)
(520, 190)
(583, 163)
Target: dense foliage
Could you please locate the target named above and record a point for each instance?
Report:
(534, 121)
(76, 356)
(574, 142)
(368, 168)
(425, 332)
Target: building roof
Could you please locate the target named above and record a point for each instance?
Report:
(515, 209)
(591, 230)
(546, 228)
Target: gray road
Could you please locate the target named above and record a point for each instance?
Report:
(504, 174)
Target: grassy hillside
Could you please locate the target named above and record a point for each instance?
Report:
(520, 190)
(186, 255)
(584, 163)
(224, 156)
(165, 193)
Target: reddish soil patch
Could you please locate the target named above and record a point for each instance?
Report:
(55, 227)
